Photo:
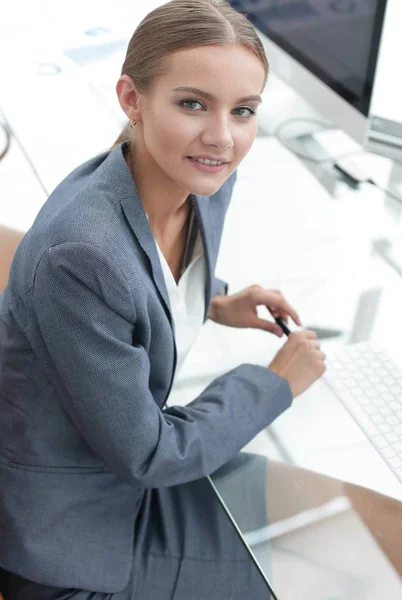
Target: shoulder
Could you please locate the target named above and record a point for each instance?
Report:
(86, 204)
(81, 214)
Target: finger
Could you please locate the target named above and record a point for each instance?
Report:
(276, 303)
(321, 356)
(289, 310)
(306, 334)
(267, 326)
(285, 309)
(278, 313)
(309, 334)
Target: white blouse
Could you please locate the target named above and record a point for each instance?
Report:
(187, 297)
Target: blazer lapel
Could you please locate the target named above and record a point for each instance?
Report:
(201, 208)
(137, 219)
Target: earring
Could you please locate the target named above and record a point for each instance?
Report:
(133, 123)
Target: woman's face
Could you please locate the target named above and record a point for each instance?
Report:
(213, 119)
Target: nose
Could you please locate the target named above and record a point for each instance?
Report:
(218, 133)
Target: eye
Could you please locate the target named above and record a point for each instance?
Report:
(250, 112)
(191, 104)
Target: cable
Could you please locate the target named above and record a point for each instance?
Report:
(12, 134)
(387, 192)
(8, 140)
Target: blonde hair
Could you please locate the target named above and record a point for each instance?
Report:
(183, 24)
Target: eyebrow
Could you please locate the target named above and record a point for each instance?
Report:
(208, 96)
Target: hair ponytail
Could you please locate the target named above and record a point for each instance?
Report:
(124, 135)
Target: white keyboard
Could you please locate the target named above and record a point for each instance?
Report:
(369, 385)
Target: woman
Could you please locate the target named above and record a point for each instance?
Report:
(103, 493)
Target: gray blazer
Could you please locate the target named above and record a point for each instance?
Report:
(87, 360)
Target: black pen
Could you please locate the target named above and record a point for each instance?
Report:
(283, 326)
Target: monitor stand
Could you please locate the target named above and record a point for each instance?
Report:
(392, 148)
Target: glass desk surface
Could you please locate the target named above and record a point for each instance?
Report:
(316, 504)
(314, 537)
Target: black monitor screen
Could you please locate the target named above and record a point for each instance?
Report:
(337, 40)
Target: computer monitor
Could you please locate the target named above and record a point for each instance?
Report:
(326, 50)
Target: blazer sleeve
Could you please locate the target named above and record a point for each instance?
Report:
(81, 327)
(219, 287)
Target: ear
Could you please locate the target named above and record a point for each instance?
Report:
(129, 97)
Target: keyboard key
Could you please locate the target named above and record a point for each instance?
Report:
(377, 419)
(388, 452)
(364, 420)
(378, 401)
(380, 441)
(361, 363)
(384, 428)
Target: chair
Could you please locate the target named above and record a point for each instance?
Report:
(9, 240)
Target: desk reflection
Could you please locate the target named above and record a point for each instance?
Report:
(314, 537)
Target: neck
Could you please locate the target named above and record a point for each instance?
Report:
(163, 201)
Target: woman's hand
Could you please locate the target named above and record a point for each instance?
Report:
(300, 361)
(240, 310)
